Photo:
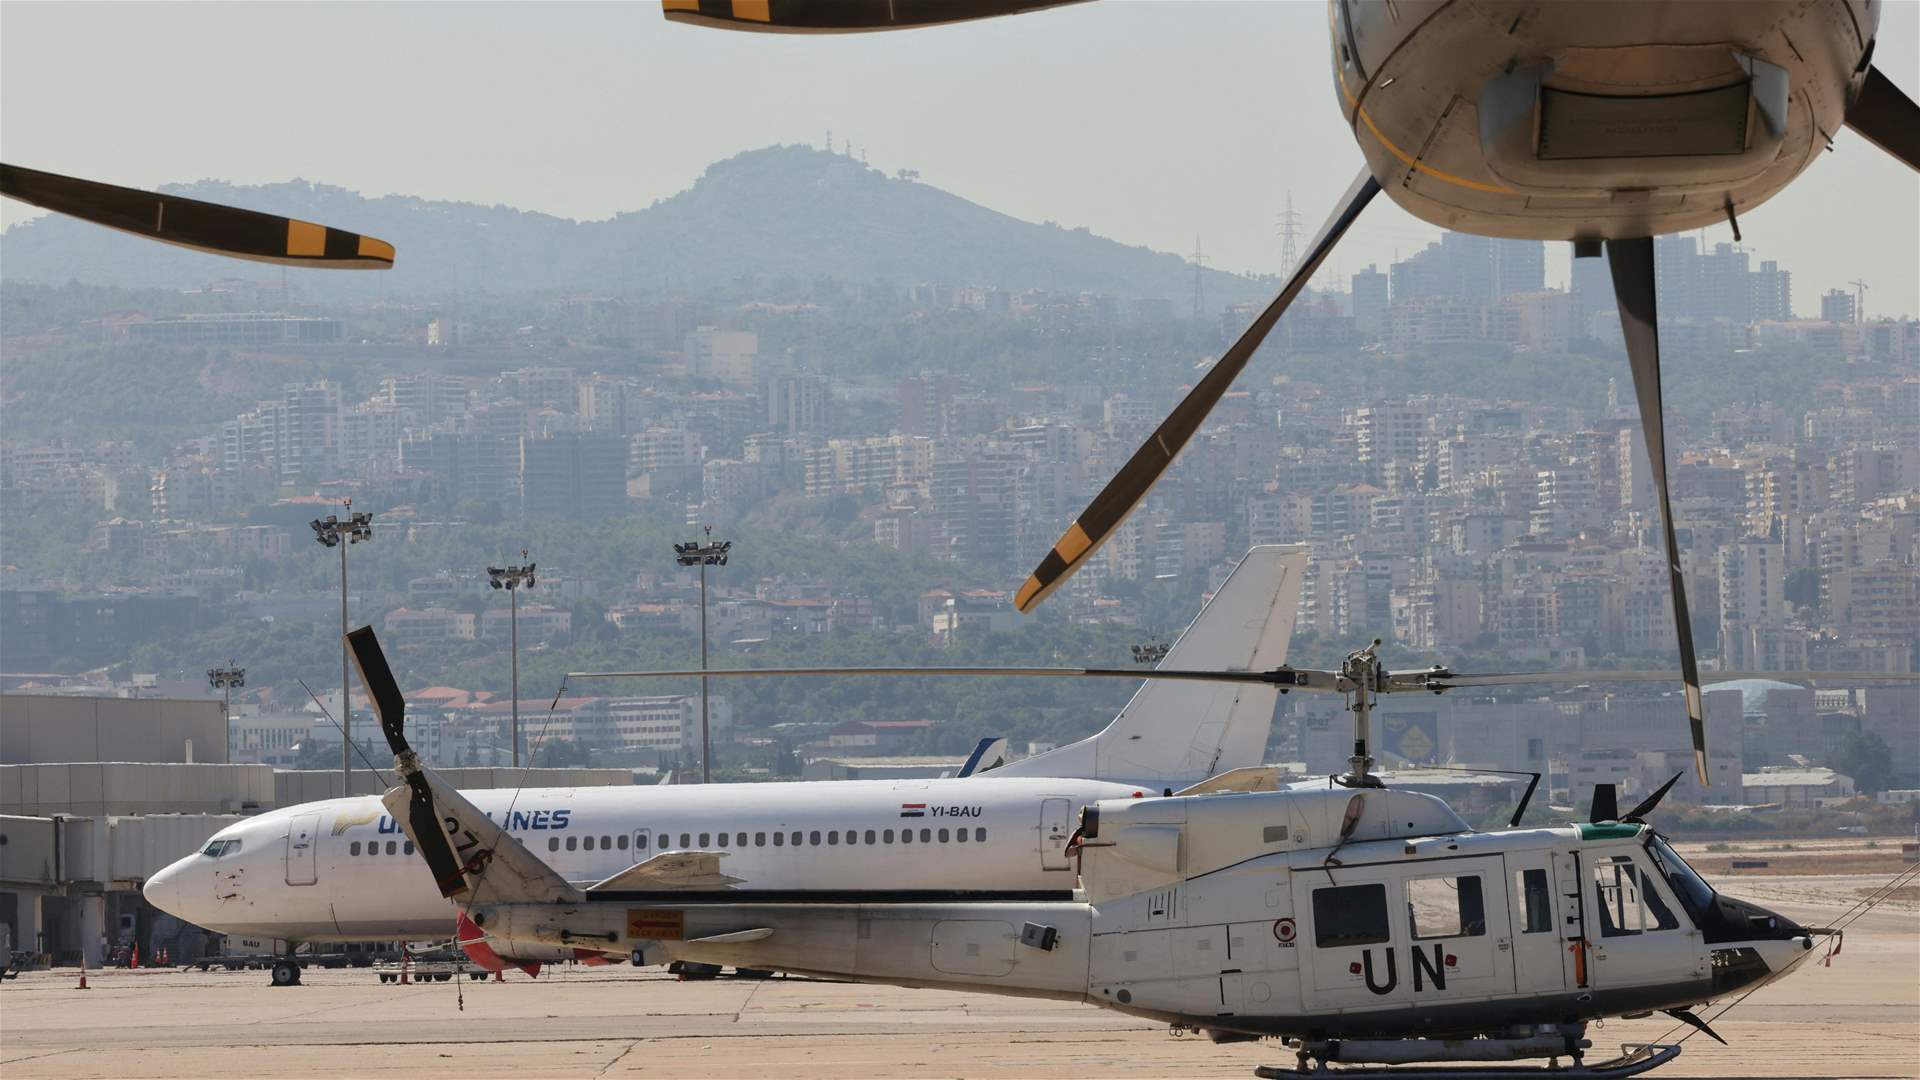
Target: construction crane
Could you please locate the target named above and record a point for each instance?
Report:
(1859, 302)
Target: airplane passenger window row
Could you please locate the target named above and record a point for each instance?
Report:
(576, 843)
(813, 837)
(373, 847)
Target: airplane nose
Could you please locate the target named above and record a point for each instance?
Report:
(162, 890)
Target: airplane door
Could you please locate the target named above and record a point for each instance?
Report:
(1538, 956)
(642, 845)
(1054, 832)
(303, 850)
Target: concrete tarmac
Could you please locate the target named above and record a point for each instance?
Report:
(1858, 1018)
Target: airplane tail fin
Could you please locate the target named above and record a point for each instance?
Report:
(472, 859)
(1176, 734)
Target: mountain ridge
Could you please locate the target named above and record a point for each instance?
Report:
(778, 212)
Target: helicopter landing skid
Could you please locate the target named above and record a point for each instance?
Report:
(1634, 1059)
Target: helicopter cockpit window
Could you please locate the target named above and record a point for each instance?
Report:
(1349, 915)
(1444, 907)
(1694, 892)
(1627, 900)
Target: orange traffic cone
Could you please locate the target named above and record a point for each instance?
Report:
(83, 972)
(133, 958)
(499, 975)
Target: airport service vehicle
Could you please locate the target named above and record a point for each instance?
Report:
(344, 869)
(1361, 923)
(1604, 123)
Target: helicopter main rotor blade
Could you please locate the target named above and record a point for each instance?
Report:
(1110, 508)
(1631, 262)
(1887, 118)
(1267, 678)
(202, 226)
(840, 16)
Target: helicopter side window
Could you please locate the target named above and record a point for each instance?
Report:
(1626, 899)
(1445, 907)
(1349, 915)
(1536, 900)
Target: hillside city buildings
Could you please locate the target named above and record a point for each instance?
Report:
(1436, 519)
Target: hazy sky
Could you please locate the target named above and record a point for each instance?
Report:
(1148, 122)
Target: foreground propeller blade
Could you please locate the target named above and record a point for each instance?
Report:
(1639, 813)
(1632, 264)
(1887, 118)
(840, 16)
(202, 226)
(391, 707)
(1131, 484)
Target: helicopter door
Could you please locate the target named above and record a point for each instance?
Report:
(1460, 938)
(1635, 934)
(1356, 951)
(1538, 964)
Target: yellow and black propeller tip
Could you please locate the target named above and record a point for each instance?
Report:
(1130, 485)
(202, 226)
(841, 16)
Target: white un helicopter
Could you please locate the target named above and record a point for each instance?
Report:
(1361, 923)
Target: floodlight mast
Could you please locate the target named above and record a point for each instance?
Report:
(513, 579)
(703, 555)
(227, 680)
(332, 531)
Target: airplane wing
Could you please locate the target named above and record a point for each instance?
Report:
(671, 870)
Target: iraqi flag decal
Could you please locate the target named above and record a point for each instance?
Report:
(913, 809)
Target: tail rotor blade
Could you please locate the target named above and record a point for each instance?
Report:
(1110, 508)
(202, 226)
(1631, 262)
(1887, 118)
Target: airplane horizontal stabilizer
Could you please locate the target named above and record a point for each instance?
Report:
(672, 870)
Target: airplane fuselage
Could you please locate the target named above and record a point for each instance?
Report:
(344, 870)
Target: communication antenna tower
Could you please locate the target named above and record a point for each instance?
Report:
(829, 140)
(1859, 302)
(1287, 227)
(1199, 261)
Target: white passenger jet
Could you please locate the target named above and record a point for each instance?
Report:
(344, 869)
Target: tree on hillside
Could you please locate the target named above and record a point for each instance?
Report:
(1866, 758)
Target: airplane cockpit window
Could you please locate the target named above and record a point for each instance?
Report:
(1536, 901)
(1627, 902)
(1694, 892)
(1348, 915)
(217, 847)
(1444, 907)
